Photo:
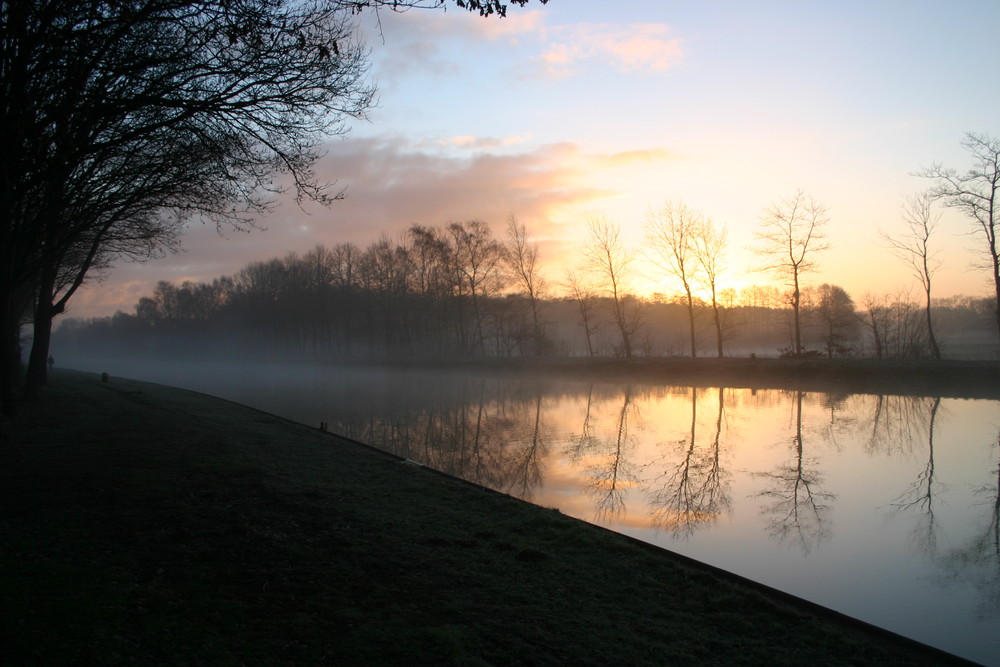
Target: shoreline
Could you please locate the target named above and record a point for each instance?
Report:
(921, 377)
(947, 378)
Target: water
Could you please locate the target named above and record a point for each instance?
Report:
(885, 508)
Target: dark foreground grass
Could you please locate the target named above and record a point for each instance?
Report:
(143, 524)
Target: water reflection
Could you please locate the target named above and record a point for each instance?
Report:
(828, 476)
(605, 459)
(977, 561)
(918, 497)
(692, 491)
(797, 507)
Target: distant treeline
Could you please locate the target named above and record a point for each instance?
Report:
(455, 292)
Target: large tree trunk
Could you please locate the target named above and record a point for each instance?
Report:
(10, 367)
(45, 311)
(11, 311)
(37, 375)
(622, 322)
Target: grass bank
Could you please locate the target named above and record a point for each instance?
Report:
(144, 524)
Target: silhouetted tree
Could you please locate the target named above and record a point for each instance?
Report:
(895, 324)
(606, 257)
(912, 246)
(791, 232)
(671, 238)
(477, 257)
(584, 298)
(522, 260)
(116, 112)
(709, 249)
(835, 310)
(976, 193)
(435, 284)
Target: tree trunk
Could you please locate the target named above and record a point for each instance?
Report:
(718, 327)
(10, 365)
(623, 326)
(45, 311)
(11, 310)
(533, 301)
(691, 335)
(796, 295)
(586, 327)
(37, 375)
(996, 279)
(935, 350)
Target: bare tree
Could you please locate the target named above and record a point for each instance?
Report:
(522, 260)
(477, 256)
(976, 193)
(606, 257)
(791, 232)
(709, 249)
(912, 246)
(671, 235)
(583, 295)
(874, 319)
(895, 324)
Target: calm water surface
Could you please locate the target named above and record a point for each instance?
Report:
(885, 508)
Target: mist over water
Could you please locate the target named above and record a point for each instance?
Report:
(885, 508)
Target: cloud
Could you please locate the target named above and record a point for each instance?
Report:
(512, 28)
(629, 48)
(481, 143)
(391, 184)
(628, 158)
(424, 40)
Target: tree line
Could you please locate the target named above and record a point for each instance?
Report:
(121, 120)
(461, 290)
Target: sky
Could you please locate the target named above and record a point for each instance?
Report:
(582, 109)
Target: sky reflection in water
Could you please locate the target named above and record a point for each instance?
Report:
(886, 508)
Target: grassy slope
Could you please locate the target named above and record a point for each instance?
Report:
(140, 523)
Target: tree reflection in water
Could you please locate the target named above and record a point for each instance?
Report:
(500, 433)
(487, 432)
(978, 562)
(612, 473)
(897, 422)
(798, 508)
(919, 496)
(526, 469)
(691, 493)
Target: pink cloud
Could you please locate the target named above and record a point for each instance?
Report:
(421, 40)
(481, 143)
(390, 185)
(628, 48)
